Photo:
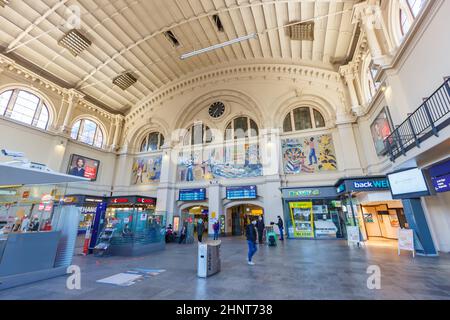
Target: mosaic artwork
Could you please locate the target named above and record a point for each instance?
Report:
(146, 170)
(308, 154)
(219, 163)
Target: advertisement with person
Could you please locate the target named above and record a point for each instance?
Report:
(83, 167)
(381, 129)
(302, 219)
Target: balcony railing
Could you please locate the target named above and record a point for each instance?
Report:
(430, 118)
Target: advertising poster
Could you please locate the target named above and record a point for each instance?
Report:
(146, 170)
(302, 219)
(381, 128)
(353, 236)
(83, 167)
(308, 154)
(406, 241)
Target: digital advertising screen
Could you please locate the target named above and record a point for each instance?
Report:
(408, 183)
(84, 167)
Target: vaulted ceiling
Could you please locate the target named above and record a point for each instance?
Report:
(127, 35)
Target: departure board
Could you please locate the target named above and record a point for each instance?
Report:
(242, 192)
(192, 195)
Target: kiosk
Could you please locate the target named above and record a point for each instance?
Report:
(137, 229)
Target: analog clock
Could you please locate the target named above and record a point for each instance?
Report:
(217, 109)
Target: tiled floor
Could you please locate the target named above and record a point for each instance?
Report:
(293, 270)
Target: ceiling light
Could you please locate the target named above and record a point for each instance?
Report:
(75, 42)
(218, 46)
(4, 3)
(125, 80)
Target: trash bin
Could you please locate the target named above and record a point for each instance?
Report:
(208, 258)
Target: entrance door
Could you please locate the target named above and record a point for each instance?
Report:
(236, 222)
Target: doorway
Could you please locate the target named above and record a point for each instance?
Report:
(239, 216)
(191, 217)
(382, 220)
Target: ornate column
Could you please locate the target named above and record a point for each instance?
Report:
(369, 14)
(349, 72)
(118, 122)
(73, 97)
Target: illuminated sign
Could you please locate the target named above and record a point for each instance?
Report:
(120, 200)
(192, 194)
(146, 200)
(245, 192)
(304, 193)
(441, 184)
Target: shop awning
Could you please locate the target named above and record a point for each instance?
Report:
(13, 174)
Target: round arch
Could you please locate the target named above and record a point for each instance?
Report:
(186, 205)
(97, 121)
(134, 135)
(232, 204)
(48, 101)
(307, 100)
(192, 108)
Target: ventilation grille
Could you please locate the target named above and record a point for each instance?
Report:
(125, 80)
(301, 31)
(218, 23)
(172, 39)
(4, 3)
(75, 42)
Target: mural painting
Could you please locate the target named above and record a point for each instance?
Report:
(308, 154)
(146, 170)
(215, 163)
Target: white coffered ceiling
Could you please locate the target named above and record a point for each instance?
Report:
(127, 35)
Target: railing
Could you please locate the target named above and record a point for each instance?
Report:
(430, 118)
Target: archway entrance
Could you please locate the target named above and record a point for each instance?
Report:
(239, 216)
(192, 215)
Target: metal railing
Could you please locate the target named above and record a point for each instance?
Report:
(430, 118)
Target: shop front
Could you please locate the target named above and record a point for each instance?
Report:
(313, 213)
(368, 203)
(132, 226)
(37, 233)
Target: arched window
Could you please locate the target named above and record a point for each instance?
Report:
(409, 10)
(88, 132)
(240, 128)
(303, 118)
(152, 142)
(198, 134)
(25, 107)
(241, 141)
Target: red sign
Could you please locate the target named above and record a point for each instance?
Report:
(120, 200)
(148, 201)
(41, 206)
(48, 207)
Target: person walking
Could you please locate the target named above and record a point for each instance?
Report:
(250, 231)
(280, 225)
(183, 233)
(216, 228)
(260, 227)
(200, 229)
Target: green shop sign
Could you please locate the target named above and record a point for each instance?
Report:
(304, 193)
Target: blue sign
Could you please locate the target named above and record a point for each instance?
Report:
(192, 195)
(382, 184)
(441, 184)
(245, 192)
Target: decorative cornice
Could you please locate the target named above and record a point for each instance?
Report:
(10, 65)
(254, 71)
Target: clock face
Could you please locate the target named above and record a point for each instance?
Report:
(217, 109)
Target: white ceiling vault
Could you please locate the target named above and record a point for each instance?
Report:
(127, 35)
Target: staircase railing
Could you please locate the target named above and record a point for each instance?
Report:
(430, 118)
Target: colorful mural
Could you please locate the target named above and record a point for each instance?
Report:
(308, 154)
(228, 163)
(146, 170)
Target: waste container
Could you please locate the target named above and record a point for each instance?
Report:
(208, 258)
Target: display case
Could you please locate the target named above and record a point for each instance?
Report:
(137, 228)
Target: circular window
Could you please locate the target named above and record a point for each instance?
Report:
(217, 109)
